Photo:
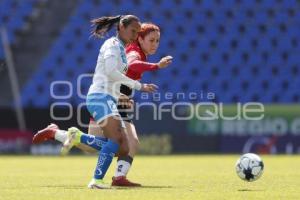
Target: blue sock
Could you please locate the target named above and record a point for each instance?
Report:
(105, 157)
(95, 142)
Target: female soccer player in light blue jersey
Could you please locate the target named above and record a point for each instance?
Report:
(105, 89)
(104, 93)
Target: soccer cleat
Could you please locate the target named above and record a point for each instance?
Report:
(98, 184)
(47, 133)
(122, 181)
(72, 140)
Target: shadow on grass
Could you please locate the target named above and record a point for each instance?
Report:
(250, 190)
(117, 188)
(64, 186)
(144, 187)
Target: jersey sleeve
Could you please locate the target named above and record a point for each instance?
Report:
(111, 51)
(111, 71)
(139, 66)
(110, 55)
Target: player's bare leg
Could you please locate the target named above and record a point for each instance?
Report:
(124, 162)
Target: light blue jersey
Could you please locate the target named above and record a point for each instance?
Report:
(111, 69)
(109, 75)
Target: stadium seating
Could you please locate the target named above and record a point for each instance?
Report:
(13, 15)
(240, 50)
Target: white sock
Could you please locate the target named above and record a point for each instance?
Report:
(61, 135)
(122, 168)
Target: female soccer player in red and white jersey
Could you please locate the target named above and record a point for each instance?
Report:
(136, 53)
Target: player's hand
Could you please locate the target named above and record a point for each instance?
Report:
(165, 61)
(149, 87)
(125, 101)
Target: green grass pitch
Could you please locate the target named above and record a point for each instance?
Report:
(163, 177)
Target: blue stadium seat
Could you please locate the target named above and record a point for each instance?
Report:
(12, 17)
(240, 50)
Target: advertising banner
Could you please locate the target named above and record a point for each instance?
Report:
(14, 141)
(276, 131)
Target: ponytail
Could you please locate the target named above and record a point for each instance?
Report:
(103, 25)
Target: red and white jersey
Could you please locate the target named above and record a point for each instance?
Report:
(137, 64)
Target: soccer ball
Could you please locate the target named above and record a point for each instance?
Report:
(249, 167)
